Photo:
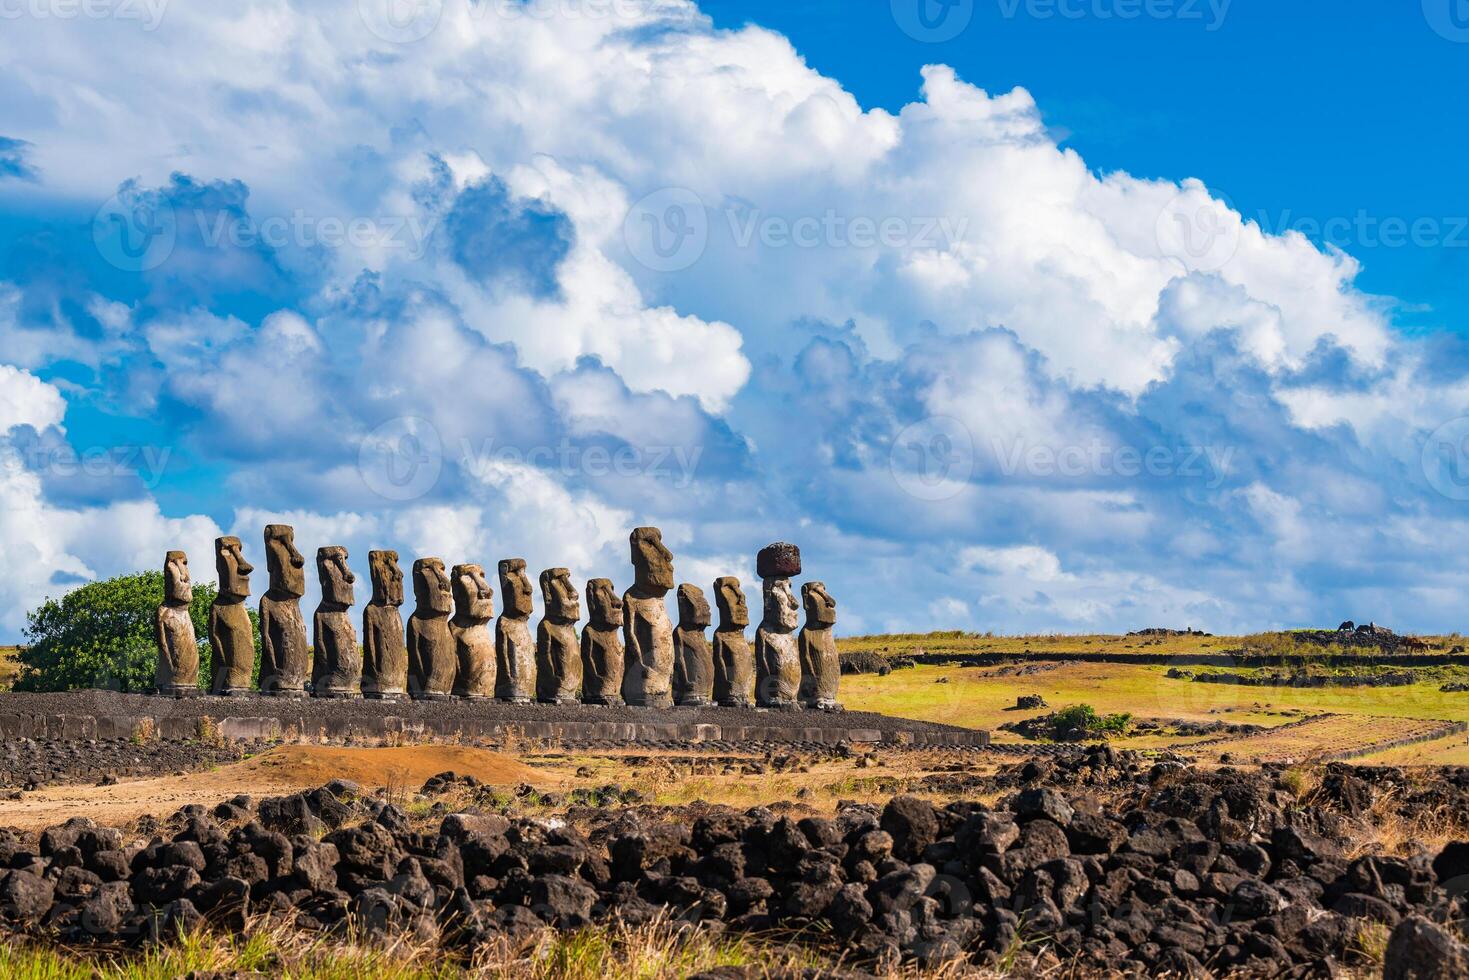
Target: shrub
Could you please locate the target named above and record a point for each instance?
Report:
(101, 636)
(1080, 721)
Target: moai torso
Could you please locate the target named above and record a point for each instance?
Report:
(474, 651)
(384, 649)
(231, 635)
(777, 657)
(285, 656)
(558, 660)
(821, 669)
(515, 651)
(693, 664)
(647, 679)
(432, 662)
(601, 645)
(734, 661)
(178, 648)
(336, 667)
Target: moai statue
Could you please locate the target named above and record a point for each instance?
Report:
(693, 664)
(558, 660)
(515, 651)
(285, 657)
(601, 645)
(384, 651)
(178, 647)
(734, 661)
(821, 669)
(432, 663)
(777, 659)
(231, 635)
(647, 679)
(336, 665)
(474, 651)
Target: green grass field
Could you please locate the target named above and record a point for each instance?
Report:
(958, 642)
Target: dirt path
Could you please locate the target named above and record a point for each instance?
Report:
(281, 770)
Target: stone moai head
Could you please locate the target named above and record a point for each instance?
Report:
(733, 613)
(693, 608)
(287, 566)
(178, 588)
(515, 587)
(652, 562)
(336, 577)
(779, 560)
(387, 578)
(234, 571)
(431, 587)
(473, 597)
(560, 597)
(821, 608)
(604, 605)
(781, 608)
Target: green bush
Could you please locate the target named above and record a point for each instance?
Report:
(1080, 721)
(101, 636)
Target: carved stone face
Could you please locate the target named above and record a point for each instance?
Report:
(781, 608)
(431, 587)
(387, 578)
(693, 608)
(336, 577)
(604, 604)
(178, 588)
(515, 587)
(473, 597)
(733, 613)
(821, 608)
(560, 597)
(287, 566)
(234, 571)
(652, 562)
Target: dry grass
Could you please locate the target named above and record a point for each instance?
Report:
(661, 950)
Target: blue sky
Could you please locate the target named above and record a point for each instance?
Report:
(1082, 318)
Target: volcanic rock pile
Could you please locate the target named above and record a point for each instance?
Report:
(1187, 874)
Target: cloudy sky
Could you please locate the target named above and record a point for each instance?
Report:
(493, 279)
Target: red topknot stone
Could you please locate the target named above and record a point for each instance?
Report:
(779, 560)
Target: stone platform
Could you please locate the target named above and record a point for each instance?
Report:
(108, 714)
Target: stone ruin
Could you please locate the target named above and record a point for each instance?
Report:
(628, 653)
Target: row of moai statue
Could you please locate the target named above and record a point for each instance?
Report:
(628, 653)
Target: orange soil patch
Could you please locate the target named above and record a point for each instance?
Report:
(279, 771)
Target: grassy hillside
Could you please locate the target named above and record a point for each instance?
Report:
(9, 666)
(959, 642)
